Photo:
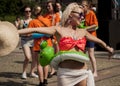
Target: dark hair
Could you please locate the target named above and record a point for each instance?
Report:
(88, 2)
(53, 5)
(57, 2)
(26, 6)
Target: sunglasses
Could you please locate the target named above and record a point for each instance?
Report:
(80, 14)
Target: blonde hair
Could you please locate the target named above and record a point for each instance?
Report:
(71, 7)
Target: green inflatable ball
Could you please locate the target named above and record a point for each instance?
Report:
(43, 44)
(46, 55)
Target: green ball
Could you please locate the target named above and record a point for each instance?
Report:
(43, 44)
(46, 55)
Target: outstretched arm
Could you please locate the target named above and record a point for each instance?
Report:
(91, 28)
(44, 30)
(99, 41)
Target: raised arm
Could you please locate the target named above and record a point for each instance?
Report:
(44, 30)
(99, 41)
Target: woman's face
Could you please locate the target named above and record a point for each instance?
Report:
(27, 12)
(85, 5)
(50, 7)
(76, 16)
(58, 6)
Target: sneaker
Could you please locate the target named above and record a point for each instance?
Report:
(34, 75)
(24, 76)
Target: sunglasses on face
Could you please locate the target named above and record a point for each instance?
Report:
(80, 14)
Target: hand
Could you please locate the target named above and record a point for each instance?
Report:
(111, 52)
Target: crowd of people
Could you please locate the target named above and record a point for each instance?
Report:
(69, 37)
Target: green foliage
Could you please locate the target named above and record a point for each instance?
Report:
(9, 9)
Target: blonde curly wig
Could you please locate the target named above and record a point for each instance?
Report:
(71, 7)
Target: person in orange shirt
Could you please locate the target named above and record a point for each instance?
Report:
(90, 20)
(52, 13)
(40, 21)
(54, 17)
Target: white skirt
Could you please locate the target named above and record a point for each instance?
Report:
(70, 77)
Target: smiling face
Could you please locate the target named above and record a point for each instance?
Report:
(58, 6)
(85, 5)
(27, 12)
(50, 7)
(76, 16)
(71, 15)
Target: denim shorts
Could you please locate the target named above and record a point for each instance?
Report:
(90, 44)
(26, 41)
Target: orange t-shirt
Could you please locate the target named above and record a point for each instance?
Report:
(37, 23)
(91, 19)
(53, 18)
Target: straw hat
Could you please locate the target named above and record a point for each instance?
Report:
(9, 38)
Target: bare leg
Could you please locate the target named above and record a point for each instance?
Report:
(27, 54)
(33, 66)
(45, 72)
(52, 70)
(39, 67)
(82, 83)
(93, 61)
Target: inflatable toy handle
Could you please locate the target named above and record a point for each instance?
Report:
(39, 35)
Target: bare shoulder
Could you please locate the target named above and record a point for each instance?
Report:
(82, 30)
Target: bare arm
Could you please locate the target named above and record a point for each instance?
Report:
(99, 41)
(44, 30)
(91, 28)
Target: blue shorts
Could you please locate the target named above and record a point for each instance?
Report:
(90, 44)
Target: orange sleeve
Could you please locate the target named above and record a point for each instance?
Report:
(91, 19)
(94, 19)
(57, 18)
(38, 23)
(45, 21)
(35, 23)
(31, 24)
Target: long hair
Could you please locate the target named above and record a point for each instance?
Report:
(53, 5)
(71, 7)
